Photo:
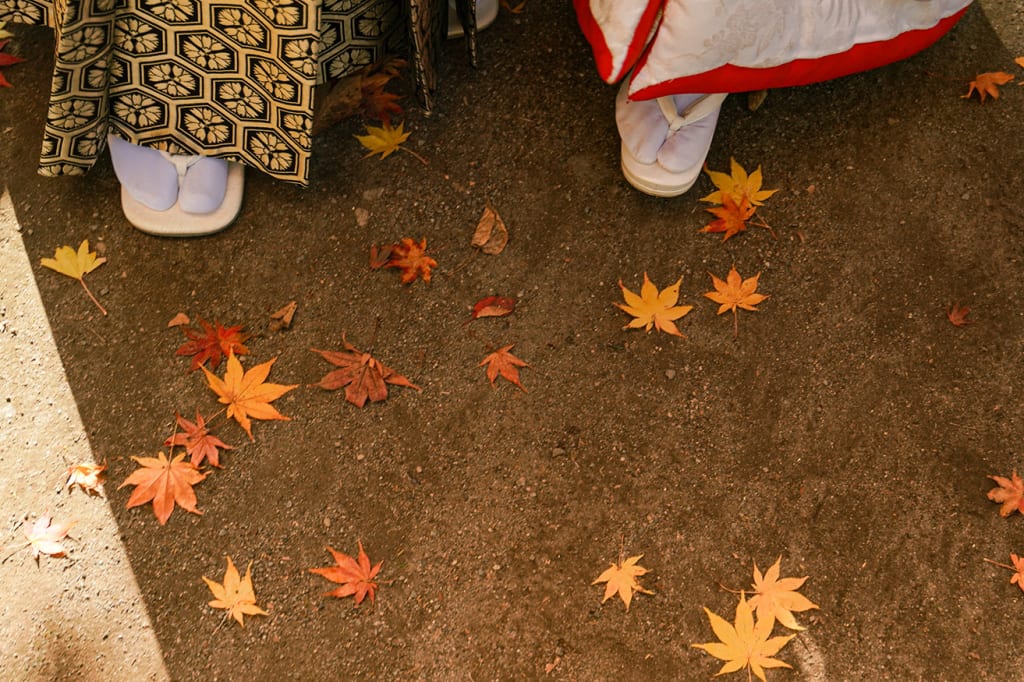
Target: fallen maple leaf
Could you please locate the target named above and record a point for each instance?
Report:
(1017, 568)
(164, 482)
(741, 187)
(653, 308)
(987, 84)
(735, 293)
(1020, 62)
(75, 265)
(410, 257)
(197, 440)
(6, 60)
(355, 575)
(380, 256)
(491, 234)
(958, 316)
(745, 644)
(282, 319)
(361, 375)
(376, 102)
(621, 579)
(517, 9)
(246, 395)
(212, 343)
(43, 537)
(1010, 494)
(86, 476)
(731, 217)
(385, 139)
(504, 363)
(235, 594)
(776, 599)
(493, 306)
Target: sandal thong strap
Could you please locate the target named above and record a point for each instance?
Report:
(700, 108)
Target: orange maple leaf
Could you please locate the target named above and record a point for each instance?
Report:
(197, 440)
(731, 217)
(212, 343)
(1010, 494)
(776, 599)
(744, 643)
(355, 575)
(246, 395)
(86, 476)
(653, 308)
(958, 316)
(621, 579)
(743, 188)
(44, 536)
(734, 293)
(987, 84)
(504, 363)
(164, 482)
(410, 257)
(363, 376)
(235, 594)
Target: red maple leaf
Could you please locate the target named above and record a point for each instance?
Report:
(361, 375)
(410, 257)
(6, 60)
(732, 217)
(197, 440)
(504, 363)
(212, 343)
(958, 316)
(355, 575)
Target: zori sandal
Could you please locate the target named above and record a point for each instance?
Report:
(665, 141)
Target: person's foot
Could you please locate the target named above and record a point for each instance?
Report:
(144, 173)
(665, 140)
(176, 195)
(203, 186)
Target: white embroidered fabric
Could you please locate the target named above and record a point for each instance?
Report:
(699, 35)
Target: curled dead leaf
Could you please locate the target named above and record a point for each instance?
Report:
(282, 319)
(494, 306)
(491, 235)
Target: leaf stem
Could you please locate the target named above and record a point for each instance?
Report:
(729, 589)
(996, 563)
(735, 324)
(762, 223)
(86, 287)
(421, 159)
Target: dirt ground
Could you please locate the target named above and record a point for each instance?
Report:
(848, 429)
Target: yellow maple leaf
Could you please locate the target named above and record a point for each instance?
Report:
(621, 578)
(653, 308)
(235, 594)
(383, 140)
(738, 185)
(735, 292)
(745, 644)
(246, 395)
(776, 599)
(987, 84)
(76, 265)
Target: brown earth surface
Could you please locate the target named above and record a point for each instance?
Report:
(848, 429)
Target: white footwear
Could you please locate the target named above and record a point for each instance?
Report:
(176, 195)
(665, 141)
(177, 222)
(486, 13)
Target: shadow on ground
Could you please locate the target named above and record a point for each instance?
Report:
(848, 429)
